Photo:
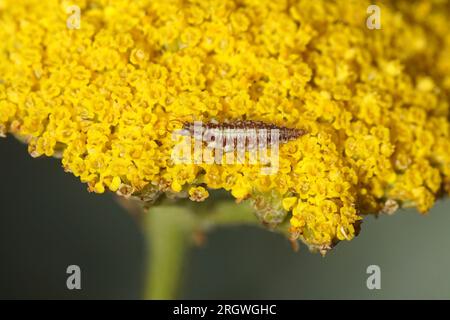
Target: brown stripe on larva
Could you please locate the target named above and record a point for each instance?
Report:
(285, 134)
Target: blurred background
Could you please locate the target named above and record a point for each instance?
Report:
(49, 221)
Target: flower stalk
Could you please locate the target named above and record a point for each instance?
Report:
(170, 229)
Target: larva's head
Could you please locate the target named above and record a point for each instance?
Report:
(297, 133)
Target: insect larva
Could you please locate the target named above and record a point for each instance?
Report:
(243, 127)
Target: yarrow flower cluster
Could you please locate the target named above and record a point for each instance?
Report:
(374, 103)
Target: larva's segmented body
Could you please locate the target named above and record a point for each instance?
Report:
(246, 132)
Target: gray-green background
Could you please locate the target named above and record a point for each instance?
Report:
(49, 221)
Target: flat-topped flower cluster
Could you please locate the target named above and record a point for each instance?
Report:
(374, 103)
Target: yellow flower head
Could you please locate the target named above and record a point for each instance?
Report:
(104, 93)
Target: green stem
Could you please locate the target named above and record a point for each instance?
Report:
(169, 228)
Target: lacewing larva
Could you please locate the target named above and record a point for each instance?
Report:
(251, 132)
